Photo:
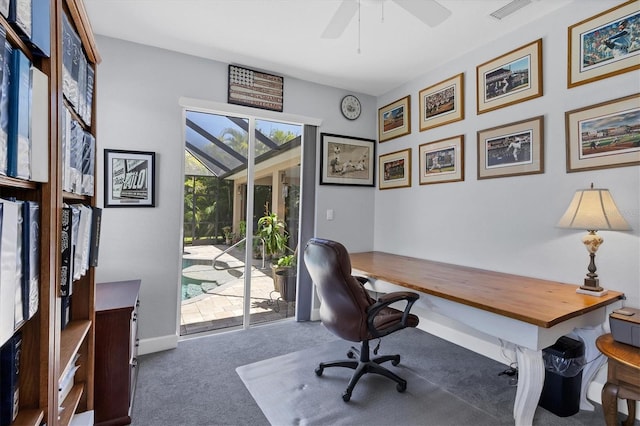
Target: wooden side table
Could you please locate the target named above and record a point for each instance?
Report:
(623, 378)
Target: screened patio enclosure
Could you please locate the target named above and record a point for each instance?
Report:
(216, 155)
(222, 278)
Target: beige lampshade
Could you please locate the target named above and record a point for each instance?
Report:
(593, 210)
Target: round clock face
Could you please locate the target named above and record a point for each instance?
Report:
(350, 106)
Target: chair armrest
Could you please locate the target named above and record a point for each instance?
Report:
(383, 302)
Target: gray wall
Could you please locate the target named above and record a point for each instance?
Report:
(138, 109)
(504, 224)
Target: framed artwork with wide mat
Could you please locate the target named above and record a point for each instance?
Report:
(442, 161)
(394, 120)
(604, 135)
(513, 149)
(511, 78)
(604, 45)
(442, 103)
(346, 160)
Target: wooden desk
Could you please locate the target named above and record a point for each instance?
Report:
(528, 313)
(623, 378)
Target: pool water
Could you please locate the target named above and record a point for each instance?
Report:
(190, 287)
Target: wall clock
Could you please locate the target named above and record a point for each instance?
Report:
(350, 107)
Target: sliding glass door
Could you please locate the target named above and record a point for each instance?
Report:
(241, 220)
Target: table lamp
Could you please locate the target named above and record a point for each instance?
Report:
(593, 210)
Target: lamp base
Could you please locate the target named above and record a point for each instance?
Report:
(598, 292)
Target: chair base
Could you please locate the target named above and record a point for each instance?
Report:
(364, 365)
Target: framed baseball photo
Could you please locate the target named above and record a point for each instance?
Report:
(511, 78)
(442, 161)
(512, 150)
(395, 169)
(604, 135)
(604, 45)
(442, 103)
(394, 120)
(346, 160)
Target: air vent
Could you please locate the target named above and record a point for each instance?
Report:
(510, 8)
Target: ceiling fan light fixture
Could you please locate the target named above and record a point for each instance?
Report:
(509, 8)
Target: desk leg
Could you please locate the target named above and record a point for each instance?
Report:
(530, 383)
(594, 359)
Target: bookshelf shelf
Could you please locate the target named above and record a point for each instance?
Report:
(10, 182)
(29, 417)
(70, 196)
(70, 404)
(71, 339)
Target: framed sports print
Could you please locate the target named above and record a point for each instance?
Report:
(512, 150)
(511, 78)
(442, 161)
(395, 169)
(604, 45)
(442, 103)
(129, 178)
(394, 120)
(604, 135)
(346, 160)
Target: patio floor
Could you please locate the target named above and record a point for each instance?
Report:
(221, 303)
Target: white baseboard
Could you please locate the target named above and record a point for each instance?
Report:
(157, 344)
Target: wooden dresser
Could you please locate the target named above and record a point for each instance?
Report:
(116, 351)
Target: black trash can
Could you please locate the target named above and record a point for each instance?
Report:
(563, 362)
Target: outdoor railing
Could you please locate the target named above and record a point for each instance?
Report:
(213, 262)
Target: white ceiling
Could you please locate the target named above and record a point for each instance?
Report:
(283, 37)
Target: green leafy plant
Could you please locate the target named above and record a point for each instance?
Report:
(272, 232)
(287, 261)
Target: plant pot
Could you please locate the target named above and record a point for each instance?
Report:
(285, 283)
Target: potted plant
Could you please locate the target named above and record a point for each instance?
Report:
(271, 231)
(285, 275)
(228, 235)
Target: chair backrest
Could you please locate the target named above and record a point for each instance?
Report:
(343, 300)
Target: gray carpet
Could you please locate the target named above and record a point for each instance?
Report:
(197, 384)
(288, 391)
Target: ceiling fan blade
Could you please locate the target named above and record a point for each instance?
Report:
(430, 12)
(341, 19)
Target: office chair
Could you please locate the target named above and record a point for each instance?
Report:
(349, 312)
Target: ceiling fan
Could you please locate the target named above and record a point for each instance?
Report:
(430, 12)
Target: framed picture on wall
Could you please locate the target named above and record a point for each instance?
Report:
(511, 78)
(394, 169)
(604, 45)
(394, 120)
(512, 150)
(346, 160)
(442, 161)
(604, 135)
(442, 103)
(129, 179)
(256, 89)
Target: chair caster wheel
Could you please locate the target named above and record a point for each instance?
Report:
(351, 355)
(401, 387)
(396, 361)
(346, 396)
(319, 371)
